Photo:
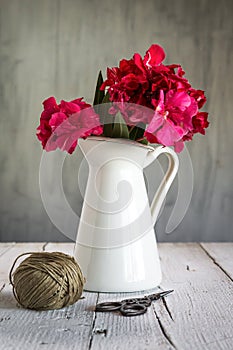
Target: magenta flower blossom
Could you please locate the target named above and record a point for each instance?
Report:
(172, 119)
(162, 88)
(62, 125)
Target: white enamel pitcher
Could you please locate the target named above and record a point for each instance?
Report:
(116, 244)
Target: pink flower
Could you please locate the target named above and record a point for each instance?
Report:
(173, 106)
(62, 125)
(133, 114)
(163, 88)
(172, 119)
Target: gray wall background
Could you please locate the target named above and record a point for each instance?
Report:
(56, 47)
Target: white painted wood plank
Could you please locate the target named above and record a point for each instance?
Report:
(7, 259)
(222, 255)
(114, 331)
(197, 316)
(5, 246)
(7, 299)
(199, 313)
(70, 327)
(67, 248)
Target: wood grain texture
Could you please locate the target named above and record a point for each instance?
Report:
(222, 255)
(198, 315)
(9, 256)
(57, 47)
(113, 331)
(5, 246)
(21, 329)
(67, 248)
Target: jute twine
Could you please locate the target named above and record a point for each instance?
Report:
(45, 281)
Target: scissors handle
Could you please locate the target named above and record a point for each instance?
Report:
(133, 309)
(108, 306)
(133, 306)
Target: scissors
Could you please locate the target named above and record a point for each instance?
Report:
(133, 306)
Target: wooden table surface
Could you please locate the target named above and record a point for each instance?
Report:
(198, 315)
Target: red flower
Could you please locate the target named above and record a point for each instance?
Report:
(44, 130)
(199, 96)
(163, 88)
(61, 125)
(139, 80)
(154, 56)
(173, 108)
(200, 122)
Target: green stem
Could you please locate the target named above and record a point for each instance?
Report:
(132, 127)
(140, 139)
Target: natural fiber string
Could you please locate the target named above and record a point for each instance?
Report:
(46, 280)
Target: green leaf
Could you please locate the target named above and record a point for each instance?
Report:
(108, 120)
(108, 130)
(106, 98)
(99, 94)
(120, 128)
(144, 142)
(137, 131)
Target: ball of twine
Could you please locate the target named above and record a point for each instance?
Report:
(45, 281)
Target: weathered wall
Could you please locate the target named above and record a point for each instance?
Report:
(56, 47)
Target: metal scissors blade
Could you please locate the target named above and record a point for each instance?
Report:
(159, 295)
(141, 300)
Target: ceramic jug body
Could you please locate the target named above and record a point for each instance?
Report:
(116, 244)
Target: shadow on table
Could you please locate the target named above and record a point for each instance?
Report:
(7, 300)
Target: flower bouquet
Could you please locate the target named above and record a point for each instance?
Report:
(170, 115)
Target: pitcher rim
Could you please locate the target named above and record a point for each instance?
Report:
(119, 140)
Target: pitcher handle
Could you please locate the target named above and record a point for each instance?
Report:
(167, 180)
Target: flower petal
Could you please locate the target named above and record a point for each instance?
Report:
(70, 107)
(50, 104)
(169, 134)
(154, 56)
(180, 100)
(179, 146)
(57, 119)
(155, 124)
(139, 62)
